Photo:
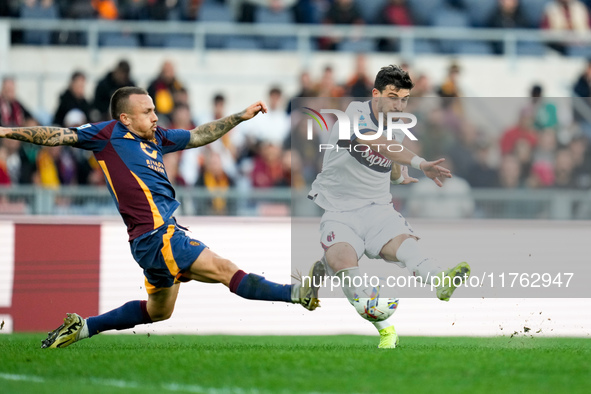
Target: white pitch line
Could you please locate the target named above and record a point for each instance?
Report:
(125, 384)
(26, 378)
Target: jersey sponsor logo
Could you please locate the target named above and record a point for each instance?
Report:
(367, 157)
(156, 166)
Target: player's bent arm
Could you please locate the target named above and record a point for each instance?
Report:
(209, 132)
(41, 135)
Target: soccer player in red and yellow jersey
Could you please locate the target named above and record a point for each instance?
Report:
(129, 149)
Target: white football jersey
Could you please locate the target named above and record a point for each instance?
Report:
(353, 178)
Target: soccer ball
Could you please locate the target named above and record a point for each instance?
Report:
(375, 308)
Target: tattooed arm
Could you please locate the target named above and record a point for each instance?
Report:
(41, 135)
(209, 132)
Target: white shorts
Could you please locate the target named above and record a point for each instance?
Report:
(366, 229)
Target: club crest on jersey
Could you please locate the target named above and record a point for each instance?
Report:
(330, 237)
(153, 153)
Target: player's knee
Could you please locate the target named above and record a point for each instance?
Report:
(226, 268)
(389, 250)
(403, 237)
(161, 314)
(341, 256)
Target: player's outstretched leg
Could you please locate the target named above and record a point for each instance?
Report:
(211, 268)
(256, 287)
(426, 268)
(448, 282)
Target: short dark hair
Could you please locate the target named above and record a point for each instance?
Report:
(123, 66)
(393, 75)
(120, 100)
(219, 98)
(181, 106)
(275, 90)
(77, 74)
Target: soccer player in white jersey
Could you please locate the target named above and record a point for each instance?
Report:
(354, 190)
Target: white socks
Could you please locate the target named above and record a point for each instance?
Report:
(380, 325)
(83, 331)
(410, 254)
(295, 293)
(350, 290)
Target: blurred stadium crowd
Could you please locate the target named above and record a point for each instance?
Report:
(546, 147)
(527, 14)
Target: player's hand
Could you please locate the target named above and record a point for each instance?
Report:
(407, 179)
(253, 110)
(433, 170)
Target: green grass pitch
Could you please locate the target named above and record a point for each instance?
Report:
(295, 364)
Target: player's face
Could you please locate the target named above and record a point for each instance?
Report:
(141, 118)
(391, 99)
